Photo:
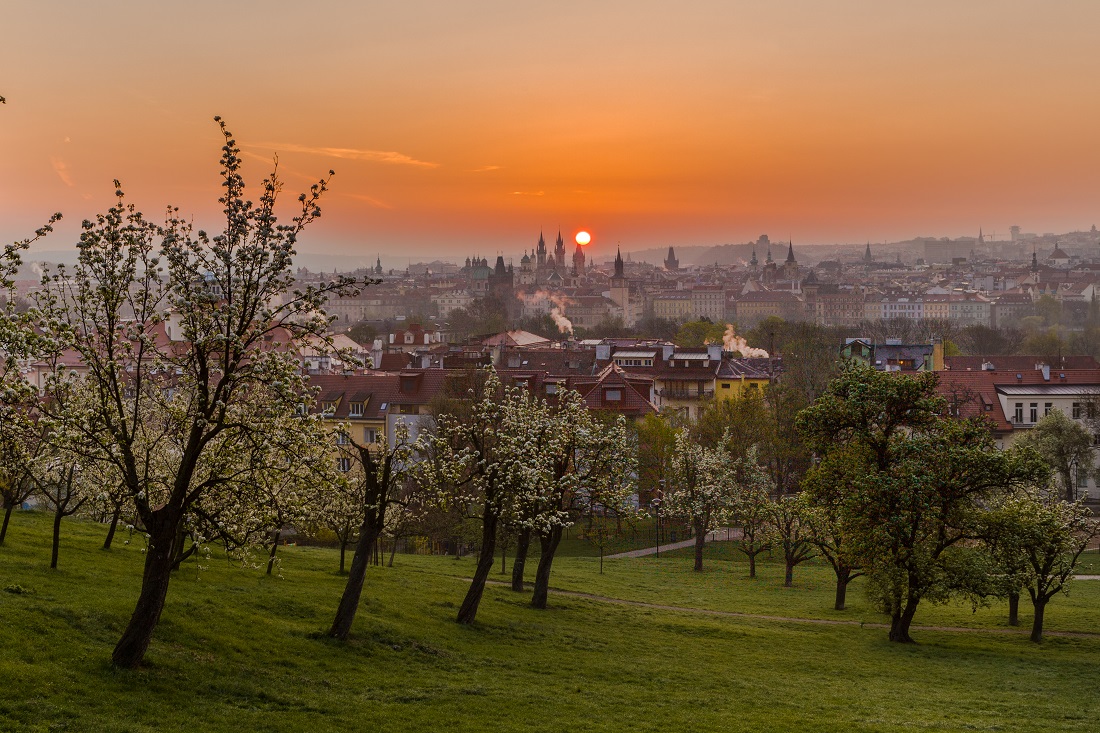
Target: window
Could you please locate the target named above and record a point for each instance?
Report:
(343, 464)
(329, 408)
(1077, 412)
(1018, 417)
(551, 388)
(1047, 407)
(1034, 410)
(300, 408)
(356, 409)
(725, 385)
(341, 438)
(613, 395)
(408, 409)
(370, 435)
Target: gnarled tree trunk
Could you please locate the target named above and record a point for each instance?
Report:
(901, 620)
(1014, 608)
(485, 561)
(1037, 624)
(7, 517)
(523, 545)
(549, 545)
(274, 549)
(159, 559)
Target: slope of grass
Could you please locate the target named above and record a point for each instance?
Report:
(237, 650)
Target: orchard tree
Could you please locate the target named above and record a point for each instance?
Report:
(188, 341)
(826, 532)
(1066, 446)
(22, 442)
(700, 489)
(752, 508)
(1037, 540)
(384, 469)
(482, 461)
(913, 484)
(791, 533)
(64, 487)
(586, 465)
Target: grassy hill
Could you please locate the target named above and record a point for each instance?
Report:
(239, 651)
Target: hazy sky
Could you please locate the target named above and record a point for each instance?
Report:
(461, 126)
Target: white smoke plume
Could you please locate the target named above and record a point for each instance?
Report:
(732, 342)
(557, 313)
(564, 324)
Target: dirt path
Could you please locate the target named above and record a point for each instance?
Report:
(795, 620)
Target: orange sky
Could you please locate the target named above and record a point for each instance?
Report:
(457, 127)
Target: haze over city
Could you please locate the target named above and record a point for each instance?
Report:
(466, 127)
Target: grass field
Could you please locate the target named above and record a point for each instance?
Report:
(239, 651)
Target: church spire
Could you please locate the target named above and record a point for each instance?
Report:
(618, 263)
(790, 252)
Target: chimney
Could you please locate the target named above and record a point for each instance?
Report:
(987, 366)
(603, 352)
(666, 351)
(714, 352)
(1046, 372)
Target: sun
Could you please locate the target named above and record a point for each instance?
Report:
(583, 238)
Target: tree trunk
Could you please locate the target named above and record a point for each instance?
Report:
(485, 561)
(788, 576)
(274, 548)
(7, 516)
(111, 530)
(159, 558)
(752, 565)
(842, 578)
(343, 554)
(56, 538)
(700, 540)
(549, 546)
(900, 622)
(1014, 608)
(393, 551)
(353, 591)
(1037, 623)
(601, 559)
(523, 544)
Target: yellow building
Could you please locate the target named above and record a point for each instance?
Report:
(737, 378)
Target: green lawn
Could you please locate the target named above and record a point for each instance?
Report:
(238, 651)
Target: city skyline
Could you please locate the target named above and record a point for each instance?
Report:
(466, 130)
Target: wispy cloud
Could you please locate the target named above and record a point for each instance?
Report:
(61, 170)
(528, 193)
(485, 169)
(373, 156)
(369, 200)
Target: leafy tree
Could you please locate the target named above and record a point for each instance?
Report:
(1038, 539)
(827, 534)
(912, 485)
(169, 411)
(656, 440)
(65, 487)
(734, 425)
(700, 489)
(583, 465)
(22, 443)
(791, 534)
(751, 509)
(699, 333)
(1065, 445)
(363, 333)
(483, 461)
(383, 470)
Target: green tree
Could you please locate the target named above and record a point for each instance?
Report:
(1066, 446)
(700, 489)
(912, 484)
(693, 334)
(791, 533)
(1037, 540)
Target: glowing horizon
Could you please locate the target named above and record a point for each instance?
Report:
(457, 128)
